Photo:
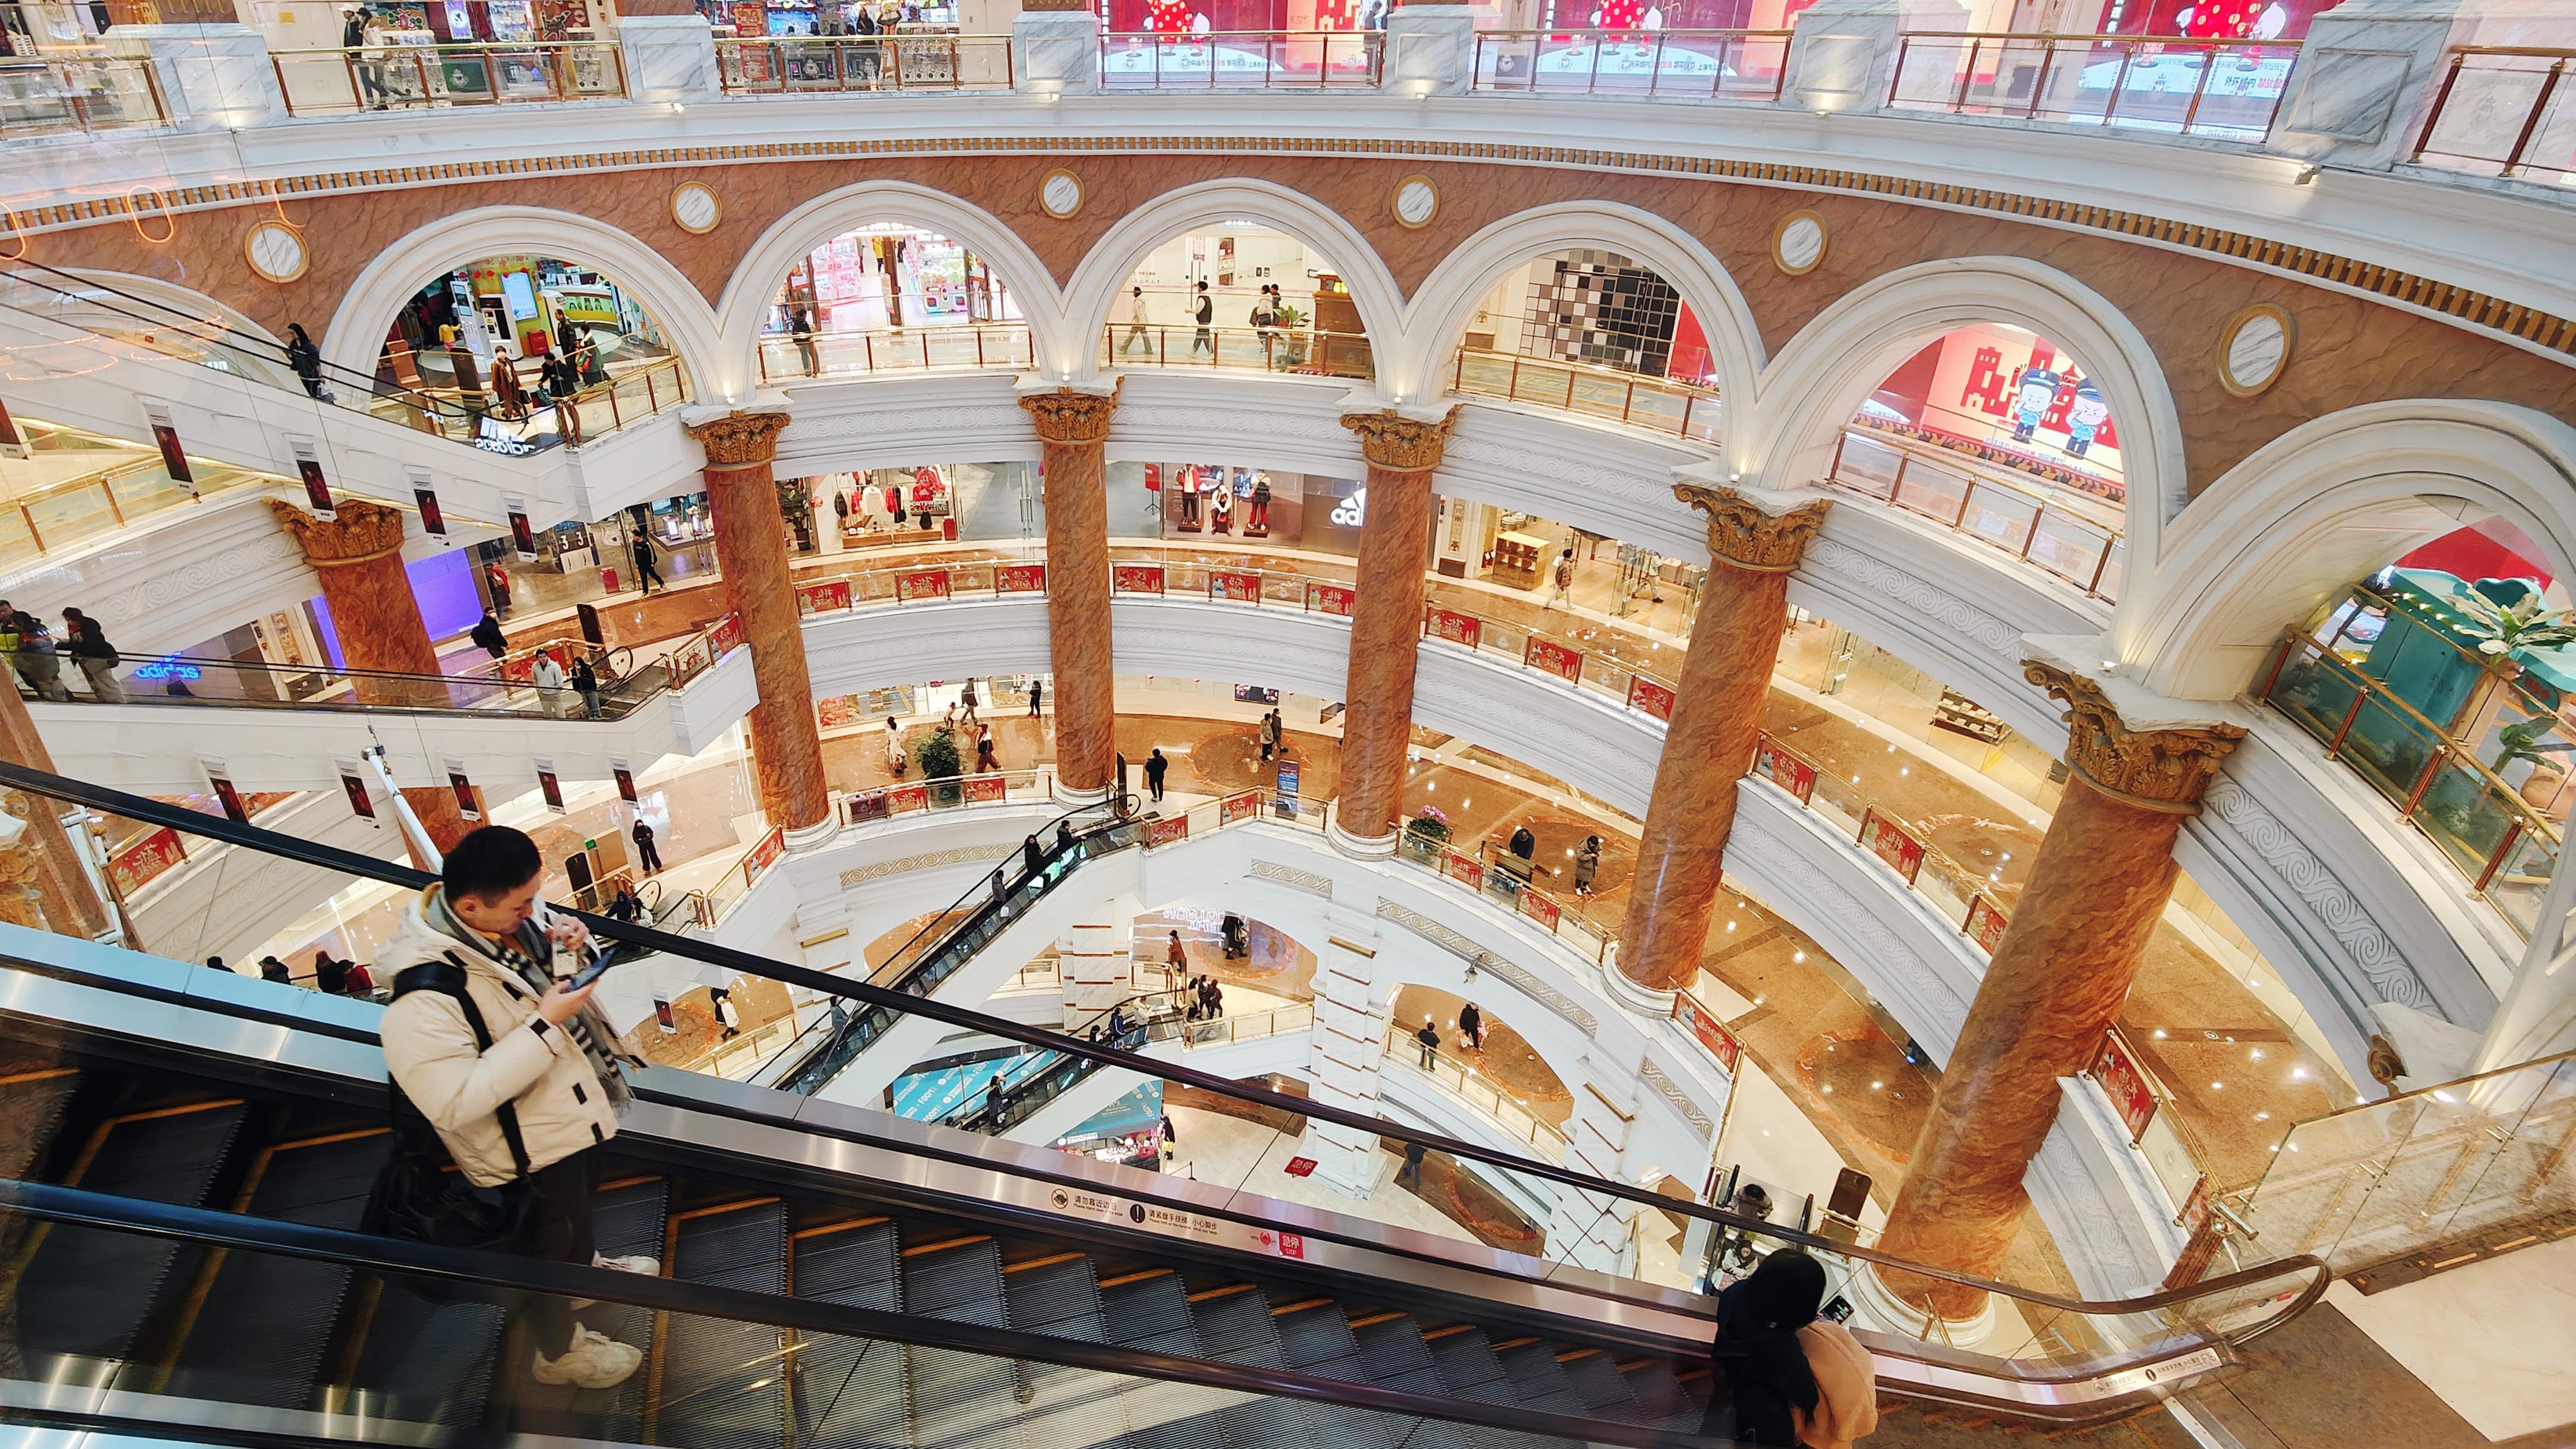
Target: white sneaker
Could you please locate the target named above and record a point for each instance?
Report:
(595, 1361)
(635, 1263)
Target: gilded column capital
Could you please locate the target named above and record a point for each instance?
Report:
(357, 532)
(2164, 770)
(1393, 443)
(1067, 416)
(1742, 534)
(739, 439)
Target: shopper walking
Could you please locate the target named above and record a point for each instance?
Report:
(1414, 1153)
(1429, 1037)
(1202, 340)
(1176, 955)
(33, 654)
(986, 762)
(487, 633)
(585, 682)
(1471, 1026)
(499, 579)
(639, 547)
(1137, 335)
(894, 746)
(306, 359)
(97, 658)
(1587, 865)
(1155, 767)
(548, 677)
(1561, 596)
(647, 854)
(1037, 697)
(512, 1069)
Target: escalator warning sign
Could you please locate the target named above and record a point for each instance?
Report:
(1287, 1245)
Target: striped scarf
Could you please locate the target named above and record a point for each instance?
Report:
(528, 953)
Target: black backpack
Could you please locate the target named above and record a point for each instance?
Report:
(419, 1195)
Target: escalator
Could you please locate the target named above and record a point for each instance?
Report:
(230, 1129)
(1035, 1079)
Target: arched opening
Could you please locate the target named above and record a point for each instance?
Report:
(537, 349)
(1594, 332)
(1998, 433)
(889, 297)
(1240, 295)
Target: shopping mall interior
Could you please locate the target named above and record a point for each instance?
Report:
(1292, 725)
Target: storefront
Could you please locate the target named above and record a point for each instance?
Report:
(1205, 501)
(891, 277)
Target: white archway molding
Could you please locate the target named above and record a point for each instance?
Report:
(1820, 378)
(1446, 300)
(756, 278)
(2331, 501)
(1101, 278)
(357, 332)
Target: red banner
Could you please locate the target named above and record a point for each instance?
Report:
(1540, 909)
(1019, 578)
(1555, 658)
(763, 856)
(1166, 830)
(823, 598)
(1774, 763)
(867, 807)
(1890, 842)
(1464, 867)
(1649, 698)
(1464, 629)
(1712, 1033)
(137, 865)
(833, 711)
(1985, 923)
(1136, 579)
(905, 799)
(726, 635)
(922, 584)
(690, 659)
(1234, 587)
(2126, 1085)
(987, 789)
(1242, 805)
(1332, 599)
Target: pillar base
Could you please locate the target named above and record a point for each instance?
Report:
(806, 837)
(1637, 996)
(1065, 795)
(1883, 1308)
(1361, 847)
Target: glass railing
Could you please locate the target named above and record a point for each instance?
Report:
(1722, 65)
(948, 792)
(2484, 827)
(47, 520)
(1506, 878)
(1594, 670)
(932, 347)
(813, 64)
(1460, 1079)
(2225, 89)
(1949, 887)
(2042, 1347)
(1659, 404)
(77, 93)
(1981, 501)
(639, 392)
(407, 77)
(1242, 60)
(1304, 351)
(2502, 111)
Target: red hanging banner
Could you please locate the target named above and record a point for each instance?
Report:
(2125, 1083)
(1712, 1033)
(1464, 867)
(137, 865)
(1166, 830)
(921, 584)
(1649, 698)
(823, 598)
(1019, 578)
(763, 856)
(1891, 842)
(906, 799)
(1985, 922)
(1464, 629)
(1554, 658)
(1333, 599)
(1773, 762)
(1242, 805)
(1136, 579)
(1234, 587)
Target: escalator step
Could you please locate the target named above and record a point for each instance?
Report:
(1059, 1298)
(1468, 1366)
(1394, 1356)
(267, 1321)
(962, 1399)
(86, 1291)
(1316, 1339)
(1070, 1406)
(1539, 1380)
(1237, 1328)
(1659, 1395)
(31, 1111)
(723, 1384)
(627, 1219)
(1599, 1386)
(1152, 1314)
(850, 1392)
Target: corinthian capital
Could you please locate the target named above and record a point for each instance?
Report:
(1393, 443)
(1742, 534)
(2159, 769)
(358, 531)
(739, 439)
(1067, 416)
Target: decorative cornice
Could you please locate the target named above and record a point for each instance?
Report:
(2335, 905)
(1654, 1077)
(962, 855)
(1742, 534)
(359, 531)
(2167, 770)
(1066, 416)
(1481, 959)
(1290, 876)
(739, 439)
(1393, 443)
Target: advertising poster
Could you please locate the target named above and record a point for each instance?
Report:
(1289, 772)
(225, 793)
(1890, 842)
(12, 443)
(1166, 830)
(1019, 578)
(907, 799)
(137, 865)
(432, 521)
(165, 436)
(523, 534)
(1712, 1033)
(1540, 909)
(353, 780)
(1464, 867)
(823, 598)
(921, 584)
(987, 789)
(1985, 923)
(837, 711)
(1650, 699)
(317, 489)
(625, 778)
(726, 635)
(550, 787)
(2126, 1085)
(1333, 599)
(1241, 806)
(1553, 658)
(468, 804)
(1456, 628)
(1233, 587)
(1137, 579)
(1776, 764)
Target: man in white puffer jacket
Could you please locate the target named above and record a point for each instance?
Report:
(549, 1067)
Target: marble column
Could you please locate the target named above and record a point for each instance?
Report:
(1349, 1041)
(1717, 715)
(1073, 428)
(357, 555)
(2067, 959)
(1386, 624)
(751, 549)
(71, 903)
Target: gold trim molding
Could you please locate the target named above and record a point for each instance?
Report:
(1742, 535)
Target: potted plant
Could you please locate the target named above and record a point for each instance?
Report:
(1291, 347)
(2496, 631)
(2529, 740)
(940, 767)
(1428, 832)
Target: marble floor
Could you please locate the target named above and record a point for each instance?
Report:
(1229, 1152)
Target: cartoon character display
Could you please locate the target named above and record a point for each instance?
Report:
(2085, 418)
(1168, 17)
(2031, 399)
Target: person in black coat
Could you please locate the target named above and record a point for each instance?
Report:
(648, 855)
(1756, 1351)
(487, 633)
(1155, 767)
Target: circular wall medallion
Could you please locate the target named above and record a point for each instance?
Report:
(1060, 194)
(2255, 349)
(277, 251)
(695, 208)
(1798, 243)
(1416, 201)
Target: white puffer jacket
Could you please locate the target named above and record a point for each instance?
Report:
(533, 1065)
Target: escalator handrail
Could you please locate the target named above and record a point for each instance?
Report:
(154, 812)
(389, 1257)
(966, 1112)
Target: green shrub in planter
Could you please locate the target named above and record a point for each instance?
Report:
(940, 766)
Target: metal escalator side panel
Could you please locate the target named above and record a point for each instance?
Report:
(630, 1217)
(720, 1384)
(961, 1401)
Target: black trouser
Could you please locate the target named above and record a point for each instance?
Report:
(646, 576)
(563, 1234)
(648, 855)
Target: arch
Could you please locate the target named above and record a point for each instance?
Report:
(1443, 304)
(2324, 504)
(764, 265)
(1092, 291)
(1821, 377)
(357, 331)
